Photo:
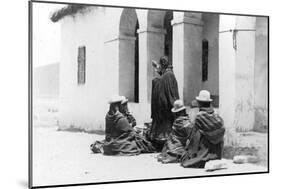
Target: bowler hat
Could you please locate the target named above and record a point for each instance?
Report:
(178, 106)
(115, 99)
(204, 96)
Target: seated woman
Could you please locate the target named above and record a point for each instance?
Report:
(174, 147)
(206, 142)
(120, 137)
(125, 111)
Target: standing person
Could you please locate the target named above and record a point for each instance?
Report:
(164, 94)
(206, 143)
(125, 111)
(182, 129)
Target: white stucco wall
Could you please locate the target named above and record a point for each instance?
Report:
(227, 91)
(243, 72)
(261, 74)
(85, 105)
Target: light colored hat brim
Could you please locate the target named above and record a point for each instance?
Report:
(124, 101)
(203, 100)
(177, 110)
(114, 101)
(111, 102)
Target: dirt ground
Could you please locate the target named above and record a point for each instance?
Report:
(61, 157)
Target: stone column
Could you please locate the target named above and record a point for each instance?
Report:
(236, 71)
(187, 53)
(151, 47)
(127, 66)
(120, 64)
(244, 76)
(226, 76)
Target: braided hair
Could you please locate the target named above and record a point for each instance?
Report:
(164, 62)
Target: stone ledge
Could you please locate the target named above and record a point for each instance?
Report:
(187, 20)
(121, 37)
(249, 143)
(152, 30)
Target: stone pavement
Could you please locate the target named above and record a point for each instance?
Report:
(61, 157)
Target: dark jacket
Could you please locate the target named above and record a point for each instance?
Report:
(164, 93)
(206, 142)
(121, 139)
(175, 145)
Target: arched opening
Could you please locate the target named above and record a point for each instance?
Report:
(168, 43)
(136, 76)
(162, 20)
(161, 32)
(210, 56)
(128, 55)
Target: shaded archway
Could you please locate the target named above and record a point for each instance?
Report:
(168, 43)
(161, 20)
(210, 55)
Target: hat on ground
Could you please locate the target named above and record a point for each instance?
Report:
(115, 98)
(204, 96)
(124, 100)
(178, 106)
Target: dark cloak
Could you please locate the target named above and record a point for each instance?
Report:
(131, 119)
(120, 138)
(174, 147)
(164, 93)
(206, 142)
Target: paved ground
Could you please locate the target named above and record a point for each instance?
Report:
(61, 157)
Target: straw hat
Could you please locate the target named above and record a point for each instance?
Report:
(178, 106)
(204, 96)
(115, 98)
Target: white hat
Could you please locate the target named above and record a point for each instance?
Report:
(115, 98)
(204, 96)
(124, 99)
(178, 106)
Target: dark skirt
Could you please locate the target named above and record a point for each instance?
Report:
(159, 133)
(177, 141)
(129, 143)
(173, 149)
(200, 150)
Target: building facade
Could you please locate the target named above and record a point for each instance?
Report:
(107, 50)
(46, 81)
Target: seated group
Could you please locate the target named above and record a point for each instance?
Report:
(191, 144)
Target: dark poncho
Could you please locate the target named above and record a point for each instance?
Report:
(164, 93)
(174, 147)
(120, 138)
(132, 121)
(206, 143)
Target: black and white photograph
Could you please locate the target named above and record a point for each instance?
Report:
(125, 94)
